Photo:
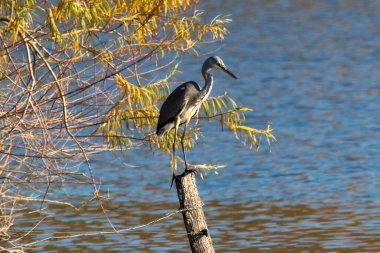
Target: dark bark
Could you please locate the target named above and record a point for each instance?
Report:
(193, 216)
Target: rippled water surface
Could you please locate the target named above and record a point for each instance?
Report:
(310, 67)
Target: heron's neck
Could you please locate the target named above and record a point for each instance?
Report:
(205, 92)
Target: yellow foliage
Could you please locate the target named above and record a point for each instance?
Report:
(74, 72)
(116, 45)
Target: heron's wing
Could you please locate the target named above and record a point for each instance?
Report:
(176, 102)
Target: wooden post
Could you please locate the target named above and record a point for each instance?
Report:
(193, 216)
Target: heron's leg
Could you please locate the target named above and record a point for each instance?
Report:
(183, 147)
(173, 157)
(175, 137)
(176, 125)
(187, 171)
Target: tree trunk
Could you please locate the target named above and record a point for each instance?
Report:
(193, 216)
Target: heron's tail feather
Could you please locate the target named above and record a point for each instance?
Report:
(160, 131)
(165, 128)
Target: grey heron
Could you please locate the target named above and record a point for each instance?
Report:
(184, 102)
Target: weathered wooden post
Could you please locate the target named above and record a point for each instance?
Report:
(193, 216)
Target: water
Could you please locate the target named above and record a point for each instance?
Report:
(311, 68)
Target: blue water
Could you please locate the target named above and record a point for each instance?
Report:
(312, 69)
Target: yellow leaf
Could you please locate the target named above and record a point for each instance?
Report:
(246, 128)
(245, 109)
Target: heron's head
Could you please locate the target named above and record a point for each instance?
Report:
(217, 63)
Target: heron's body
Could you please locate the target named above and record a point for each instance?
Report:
(184, 102)
(187, 101)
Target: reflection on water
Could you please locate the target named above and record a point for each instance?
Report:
(311, 67)
(239, 226)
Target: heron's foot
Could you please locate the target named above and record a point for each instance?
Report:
(173, 178)
(186, 172)
(189, 171)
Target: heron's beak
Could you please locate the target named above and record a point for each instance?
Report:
(228, 72)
